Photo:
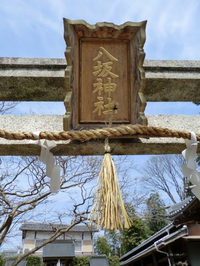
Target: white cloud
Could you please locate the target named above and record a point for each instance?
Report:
(36, 26)
(171, 25)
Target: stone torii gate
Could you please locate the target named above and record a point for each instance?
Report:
(23, 79)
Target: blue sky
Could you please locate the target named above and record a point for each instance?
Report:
(34, 28)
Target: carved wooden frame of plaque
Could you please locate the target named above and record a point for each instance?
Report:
(104, 70)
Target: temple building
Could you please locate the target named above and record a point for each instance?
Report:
(77, 242)
(176, 244)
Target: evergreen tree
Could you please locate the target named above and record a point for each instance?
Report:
(133, 236)
(2, 260)
(136, 234)
(101, 246)
(156, 213)
(105, 245)
(114, 241)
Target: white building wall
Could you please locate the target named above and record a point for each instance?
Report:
(87, 236)
(28, 244)
(78, 245)
(30, 234)
(43, 235)
(83, 241)
(87, 246)
(73, 235)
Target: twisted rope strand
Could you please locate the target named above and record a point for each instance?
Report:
(84, 135)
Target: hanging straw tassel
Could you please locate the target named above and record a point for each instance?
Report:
(108, 211)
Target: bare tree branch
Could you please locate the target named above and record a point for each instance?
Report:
(58, 232)
(25, 188)
(5, 107)
(164, 173)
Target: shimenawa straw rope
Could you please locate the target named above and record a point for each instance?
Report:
(108, 211)
(84, 135)
(108, 189)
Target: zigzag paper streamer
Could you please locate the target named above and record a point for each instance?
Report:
(189, 169)
(46, 157)
(52, 171)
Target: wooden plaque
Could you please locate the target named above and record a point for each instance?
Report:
(104, 77)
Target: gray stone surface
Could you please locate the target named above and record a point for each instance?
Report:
(34, 123)
(169, 80)
(39, 79)
(32, 79)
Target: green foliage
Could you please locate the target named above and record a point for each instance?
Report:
(85, 261)
(102, 246)
(113, 260)
(33, 261)
(114, 241)
(80, 261)
(2, 261)
(156, 213)
(137, 233)
(133, 236)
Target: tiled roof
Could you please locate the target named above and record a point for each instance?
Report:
(152, 246)
(148, 242)
(178, 208)
(185, 211)
(50, 226)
